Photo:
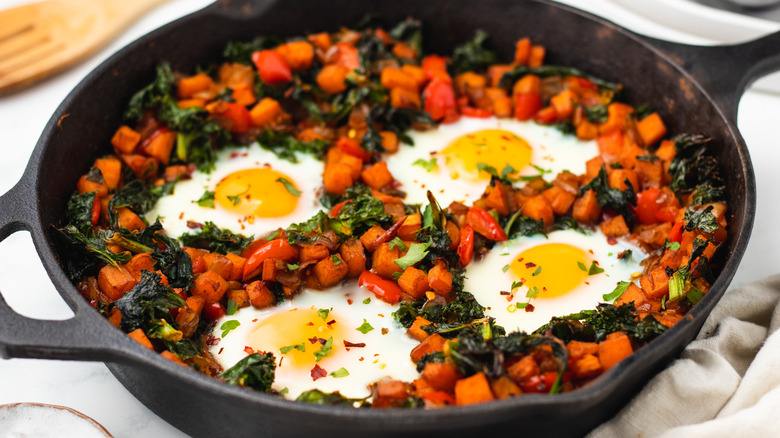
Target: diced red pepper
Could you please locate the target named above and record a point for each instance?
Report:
(213, 311)
(435, 66)
(466, 245)
(337, 208)
(272, 67)
(546, 116)
(237, 114)
(646, 205)
(667, 213)
(439, 99)
(481, 113)
(353, 148)
(346, 55)
(386, 290)
(484, 224)
(275, 249)
(675, 234)
(527, 105)
(95, 214)
(438, 397)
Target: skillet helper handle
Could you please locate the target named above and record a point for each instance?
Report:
(78, 338)
(725, 71)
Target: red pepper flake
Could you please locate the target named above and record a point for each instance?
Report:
(520, 259)
(194, 225)
(220, 350)
(376, 355)
(349, 302)
(181, 215)
(380, 315)
(611, 240)
(254, 320)
(93, 303)
(529, 307)
(385, 331)
(212, 340)
(313, 340)
(310, 324)
(354, 344)
(249, 350)
(234, 155)
(530, 265)
(331, 322)
(318, 372)
(504, 292)
(591, 251)
(587, 283)
(362, 359)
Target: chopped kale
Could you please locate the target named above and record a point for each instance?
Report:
(410, 32)
(136, 196)
(703, 220)
(216, 239)
(464, 309)
(434, 357)
(151, 95)
(519, 225)
(79, 211)
(596, 113)
(146, 304)
(285, 145)
(255, 371)
(472, 55)
(620, 201)
(86, 252)
(706, 194)
(331, 399)
(241, 52)
(595, 325)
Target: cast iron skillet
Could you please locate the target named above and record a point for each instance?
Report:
(696, 89)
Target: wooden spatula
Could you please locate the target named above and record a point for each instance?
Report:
(37, 39)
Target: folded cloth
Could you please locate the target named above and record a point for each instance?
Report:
(726, 382)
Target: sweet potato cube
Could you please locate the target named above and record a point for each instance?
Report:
(265, 112)
(189, 86)
(615, 226)
(440, 280)
(403, 98)
(84, 185)
(538, 208)
(298, 54)
(633, 294)
(614, 350)
(587, 366)
(337, 177)
(111, 168)
(173, 358)
(434, 342)
(411, 225)
(415, 330)
(656, 283)
(125, 139)
(314, 252)
(559, 199)
(160, 146)
(414, 282)
(618, 177)
(330, 271)
(523, 369)
(240, 297)
(651, 129)
(139, 336)
(473, 390)
(586, 208)
(115, 281)
(352, 253)
(383, 261)
(259, 295)
(578, 349)
(238, 267)
(396, 77)
(211, 286)
(140, 262)
(220, 264)
(195, 303)
(441, 376)
(377, 176)
(332, 78)
(505, 387)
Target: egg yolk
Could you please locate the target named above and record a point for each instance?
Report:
(554, 269)
(298, 337)
(494, 147)
(257, 192)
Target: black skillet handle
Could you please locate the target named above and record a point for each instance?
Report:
(725, 71)
(78, 338)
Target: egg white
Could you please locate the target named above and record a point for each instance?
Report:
(384, 356)
(552, 150)
(176, 209)
(486, 279)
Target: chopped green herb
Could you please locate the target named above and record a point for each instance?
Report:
(323, 313)
(229, 326)
(289, 186)
(206, 200)
(417, 252)
(674, 246)
(595, 269)
(428, 165)
(397, 243)
(325, 350)
(537, 271)
(365, 327)
(582, 266)
(521, 305)
(367, 300)
(694, 295)
(284, 391)
(615, 294)
(236, 199)
(532, 292)
(289, 348)
(341, 372)
(292, 266)
(516, 284)
(505, 268)
(231, 307)
(336, 260)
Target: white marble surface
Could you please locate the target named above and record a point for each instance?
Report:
(91, 389)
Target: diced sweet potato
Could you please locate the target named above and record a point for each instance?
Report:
(337, 177)
(523, 369)
(441, 376)
(259, 295)
(618, 177)
(538, 208)
(392, 393)
(330, 271)
(265, 112)
(298, 54)
(383, 261)
(614, 350)
(415, 330)
(173, 357)
(473, 390)
(651, 129)
(559, 199)
(239, 296)
(187, 322)
(587, 366)
(139, 336)
(578, 349)
(377, 176)
(238, 267)
(220, 264)
(114, 282)
(615, 226)
(496, 199)
(211, 286)
(440, 280)
(434, 342)
(403, 98)
(189, 86)
(195, 303)
(352, 253)
(160, 146)
(586, 209)
(396, 77)
(414, 282)
(332, 78)
(656, 283)
(84, 185)
(633, 294)
(125, 139)
(504, 387)
(410, 227)
(129, 220)
(314, 252)
(140, 262)
(111, 168)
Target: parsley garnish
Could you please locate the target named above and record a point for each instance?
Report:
(594, 269)
(231, 307)
(417, 252)
(229, 326)
(341, 372)
(428, 165)
(537, 271)
(299, 347)
(323, 313)
(367, 300)
(674, 246)
(615, 294)
(325, 350)
(289, 186)
(336, 260)
(206, 200)
(397, 243)
(365, 327)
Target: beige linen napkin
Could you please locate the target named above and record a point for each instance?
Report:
(726, 382)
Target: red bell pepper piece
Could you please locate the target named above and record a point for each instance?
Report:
(484, 224)
(527, 105)
(667, 213)
(239, 118)
(94, 216)
(466, 245)
(213, 311)
(353, 148)
(481, 113)
(646, 205)
(272, 67)
(337, 208)
(675, 234)
(384, 289)
(439, 99)
(546, 116)
(438, 397)
(435, 66)
(275, 249)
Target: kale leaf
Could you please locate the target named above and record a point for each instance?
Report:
(519, 225)
(595, 325)
(151, 95)
(255, 371)
(86, 252)
(703, 220)
(285, 145)
(472, 55)
(136, 196)
(216, 239)
(463, 310)
(147, 303)
(618, 200)
(331, 399)
(79, 211)
(241, 52)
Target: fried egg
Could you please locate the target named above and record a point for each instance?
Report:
(341, 339)
(526, 281)
(254, 192)
(446, 160)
